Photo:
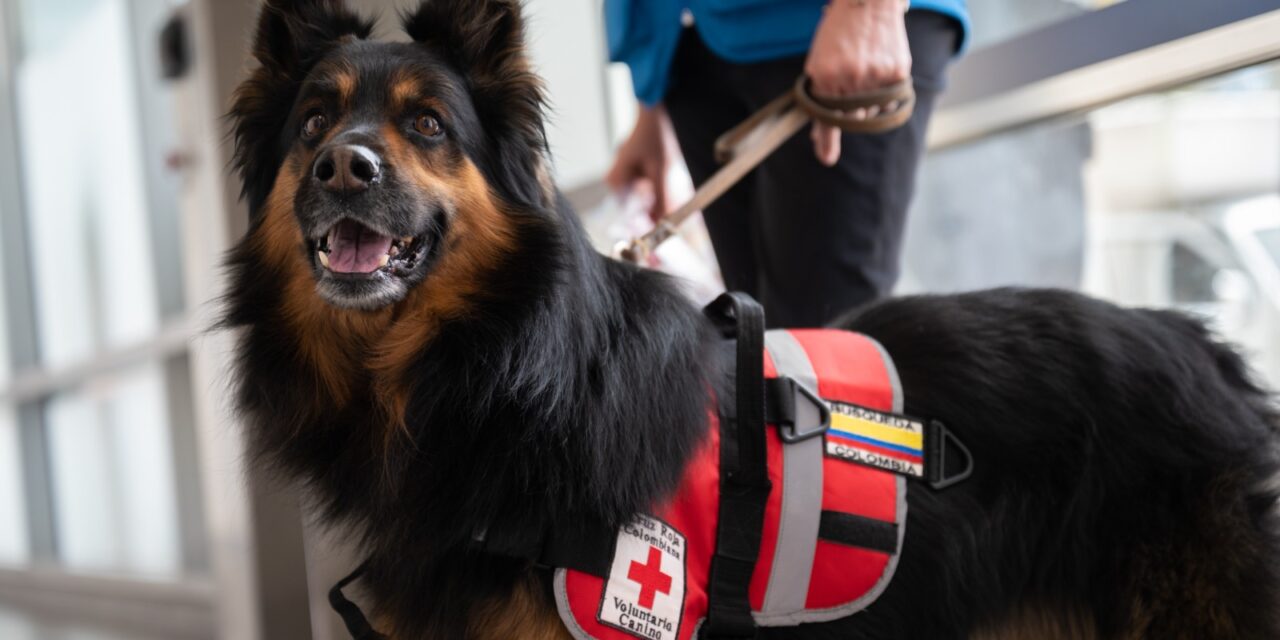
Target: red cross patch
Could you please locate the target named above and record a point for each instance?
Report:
(650, 578)
(644, 595)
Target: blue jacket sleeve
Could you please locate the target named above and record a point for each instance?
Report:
(644, 33)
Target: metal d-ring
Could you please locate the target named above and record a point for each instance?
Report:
(790, 433)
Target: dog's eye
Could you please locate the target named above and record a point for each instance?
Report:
(427, 125)
(314, 125)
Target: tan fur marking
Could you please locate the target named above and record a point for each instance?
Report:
(404, 90)
(346, 347)
(478, 235)
(526, 614)
(1041, 623)
(331, 339)
(346, 81)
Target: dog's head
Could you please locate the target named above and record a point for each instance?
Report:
(429, 340)
(370, 166)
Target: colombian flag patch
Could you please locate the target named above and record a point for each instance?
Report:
(877, 439)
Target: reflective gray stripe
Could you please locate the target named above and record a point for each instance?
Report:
(801, 494)
(560, 586)
(846, 610)
(781, 345)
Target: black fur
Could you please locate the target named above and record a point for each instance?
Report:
(530, 410)
(1125, 462)
(292, 36)
(484, 40)
(1126, 466)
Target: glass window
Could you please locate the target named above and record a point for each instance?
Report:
(1004, 210)
(89, 238)
(1192, 276)
(1168, 199)
(1270, 240)
(999, 20)
(99, 223)
(112, 475)
(14, 545)
(6, 361)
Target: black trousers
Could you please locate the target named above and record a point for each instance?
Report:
(808, 241)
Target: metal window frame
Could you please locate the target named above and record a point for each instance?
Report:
(19, 295)
(134, 607)
(187, 603)
(256, 529)
(254, 583)
(1098, 58)
(155, 104)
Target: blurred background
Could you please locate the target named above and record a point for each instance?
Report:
(1128, 149)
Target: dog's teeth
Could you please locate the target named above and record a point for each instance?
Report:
(406, 240)
(324, 258)
(394, 251)
(386, 257)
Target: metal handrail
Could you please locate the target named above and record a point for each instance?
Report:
(1132, 48)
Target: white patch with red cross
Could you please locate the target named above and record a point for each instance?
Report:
(644, 595)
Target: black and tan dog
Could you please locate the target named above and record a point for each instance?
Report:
(431, 346)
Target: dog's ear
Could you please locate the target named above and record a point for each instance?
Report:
(292, 35)
(484, 41)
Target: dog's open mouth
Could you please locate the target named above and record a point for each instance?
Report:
(360, 267)
(350, 248)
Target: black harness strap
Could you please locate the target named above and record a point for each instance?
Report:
(744, 477)
(582, 543)
(586, 546)
(352, 617)
(858, 531)
(747, 404)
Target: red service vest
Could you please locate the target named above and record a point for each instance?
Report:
(810, 568)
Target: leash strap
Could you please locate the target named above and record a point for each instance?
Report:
(744, 478)
(352, 617)
(745, 146)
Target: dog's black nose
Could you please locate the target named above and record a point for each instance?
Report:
(347, 168)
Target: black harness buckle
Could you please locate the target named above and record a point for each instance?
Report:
(784, 411)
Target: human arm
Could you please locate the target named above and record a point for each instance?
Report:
(644, 158)
(860, 45)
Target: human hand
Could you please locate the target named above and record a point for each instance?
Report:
(860, 45)
(644, 158)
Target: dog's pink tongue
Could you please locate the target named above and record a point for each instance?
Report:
(354, 248)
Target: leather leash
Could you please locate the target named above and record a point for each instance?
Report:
(745, 146)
